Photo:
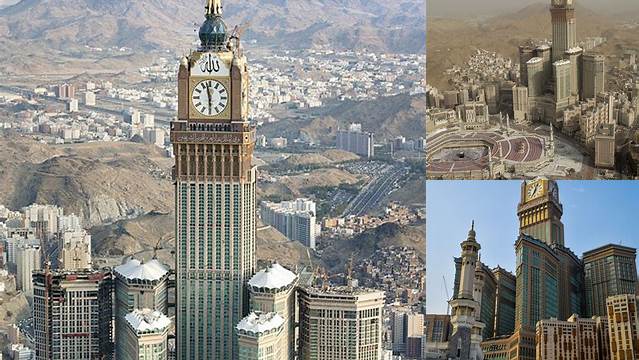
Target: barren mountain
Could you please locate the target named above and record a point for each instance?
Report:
(100, 182)
(145, 24)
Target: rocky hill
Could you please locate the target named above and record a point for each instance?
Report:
(397, 26)
(365, 244)
(101, 182)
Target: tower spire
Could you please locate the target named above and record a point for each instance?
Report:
(214, 8)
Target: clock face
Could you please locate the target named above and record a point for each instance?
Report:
(534, 190)
(210, 97)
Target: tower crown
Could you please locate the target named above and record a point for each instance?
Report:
(213, 32)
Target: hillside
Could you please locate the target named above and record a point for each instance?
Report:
(142, 25)
(451, 41)
(387, 117)
(140, 236)
(365, 244)
(100, 182)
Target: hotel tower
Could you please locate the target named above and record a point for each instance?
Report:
(214, 193)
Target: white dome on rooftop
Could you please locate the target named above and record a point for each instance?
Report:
(274, 277)
(134, 269)
(257, 322)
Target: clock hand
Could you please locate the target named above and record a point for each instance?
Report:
(209, 95)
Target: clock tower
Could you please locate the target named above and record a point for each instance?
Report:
(564, 27)
(213, 144)
(540, 211)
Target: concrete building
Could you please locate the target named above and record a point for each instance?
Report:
(608, 270)
(562, 71)
(520, 104)
(605, 146)
(72, 105)
(272, 290)
(65, 91)
(89, 98)
(488, 299)
(331, 315)
(574, 55)
(138, 285)
(536, 77)
(43, 219)
(214, 194)
(131, 116)
(75, 250)
(72, 314)
(28, 259)
(594, 75)
(295, 219)
(473, 115)
(356, 141)
(623, 322)
(261, 337)
(405, 324)
(574, 339)
(144, 336)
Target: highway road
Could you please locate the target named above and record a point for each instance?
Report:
(374, 192)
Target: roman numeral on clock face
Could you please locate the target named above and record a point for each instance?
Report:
(209, 97)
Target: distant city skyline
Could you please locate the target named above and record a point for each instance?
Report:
(452, 206)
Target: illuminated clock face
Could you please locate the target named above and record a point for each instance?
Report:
(534, 190)
(209, 97)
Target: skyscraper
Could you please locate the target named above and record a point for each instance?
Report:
(594, 75)
(564, 27)
(72, 314)
(138, 285)
(609, 270)
(340, 323)
(144, 335)
(504, 302)
(562, 71)
(213, 144)
(274, 290)
(540, 212)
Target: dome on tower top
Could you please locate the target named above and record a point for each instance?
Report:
(213, 32)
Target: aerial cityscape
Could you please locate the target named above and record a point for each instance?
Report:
(319, 180)
(563, 107)
(533, 275)
(210, 191)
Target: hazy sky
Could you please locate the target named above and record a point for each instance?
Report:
(595, 213)
(487, 7)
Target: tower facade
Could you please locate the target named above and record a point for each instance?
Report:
(594, 75)
(272, 290)
(540, 211)
(214, 177)
(72, 313)
(464, 343)
(609, 270)
(564, 27)
(340, 323)
(623, 323)
(138, 285)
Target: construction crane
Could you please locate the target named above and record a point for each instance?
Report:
(448, 298)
